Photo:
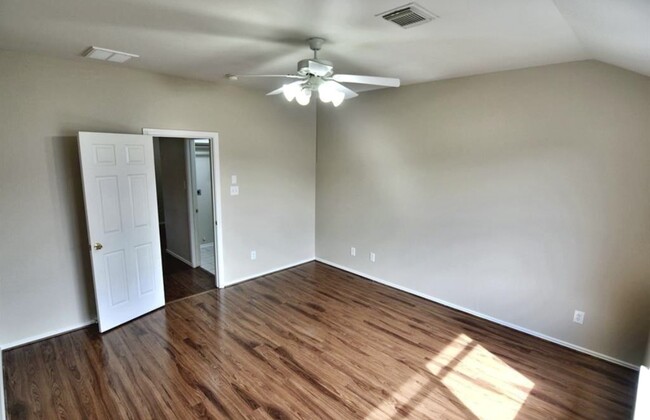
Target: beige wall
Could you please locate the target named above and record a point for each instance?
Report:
(45, 283)
(522, 195)
(646, 361)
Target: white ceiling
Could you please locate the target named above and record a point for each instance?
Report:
(205, 39)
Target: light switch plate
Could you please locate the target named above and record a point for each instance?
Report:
(372, 257)
(353, 251)
(253, 255)
(234, 190)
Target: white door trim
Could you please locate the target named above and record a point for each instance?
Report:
(2, 390)
(216, 186)
(191, 203)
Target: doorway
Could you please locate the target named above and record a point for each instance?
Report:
(187, 181)
(200, 160)
(120, 196)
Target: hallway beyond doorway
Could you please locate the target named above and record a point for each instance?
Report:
(182, 281)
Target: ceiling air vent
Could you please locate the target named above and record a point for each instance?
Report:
(409, 15)
(108, 55)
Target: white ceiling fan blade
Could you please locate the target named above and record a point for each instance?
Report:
(367, 80)
(276, 92)
(349, 93)
(285, 76)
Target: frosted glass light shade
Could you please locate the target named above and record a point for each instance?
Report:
(337, 98)
(290, 91)
(325, 92)
(303, 96)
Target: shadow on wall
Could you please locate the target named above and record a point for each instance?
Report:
(65, 182)
(636, 294)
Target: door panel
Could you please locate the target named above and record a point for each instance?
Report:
(116, 277)
(145, 268)
(121, 211)
(109, 202)
(139, 201)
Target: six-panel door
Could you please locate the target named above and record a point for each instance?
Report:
(121, 212)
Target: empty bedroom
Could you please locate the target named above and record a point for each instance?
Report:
(342, 210)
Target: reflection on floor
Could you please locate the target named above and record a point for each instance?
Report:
(182, 281)
(207, 258)
(311, 342)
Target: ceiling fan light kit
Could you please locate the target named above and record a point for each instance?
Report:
(303, 96)
(317, 75)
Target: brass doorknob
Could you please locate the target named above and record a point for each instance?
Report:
(97, 246)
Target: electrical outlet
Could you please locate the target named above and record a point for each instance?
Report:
(353, 251)
(372, 257)
(253, 255)
(234, 190)
(579, 317)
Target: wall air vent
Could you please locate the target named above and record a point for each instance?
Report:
(408, 16)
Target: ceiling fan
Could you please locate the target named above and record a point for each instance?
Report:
(317, 75)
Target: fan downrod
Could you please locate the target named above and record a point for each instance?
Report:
(315, 44)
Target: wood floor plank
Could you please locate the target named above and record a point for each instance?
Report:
(309, 342)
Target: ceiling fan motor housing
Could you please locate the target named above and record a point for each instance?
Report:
(318, 67)
(315, 43)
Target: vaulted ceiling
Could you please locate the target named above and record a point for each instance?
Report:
(205, 39)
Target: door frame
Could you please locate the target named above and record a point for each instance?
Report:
(190, 154)
(216, 187)
(190, 165)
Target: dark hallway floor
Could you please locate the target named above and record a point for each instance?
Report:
(182, 281)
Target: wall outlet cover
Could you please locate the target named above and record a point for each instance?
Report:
(579, 317)
(234, 190)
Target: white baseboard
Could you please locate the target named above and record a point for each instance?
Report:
(483, 316)
(179, 258)
(264, 273)
(2, 390)
(49, 334)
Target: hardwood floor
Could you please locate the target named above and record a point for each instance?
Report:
(182, 281)
(310, 342)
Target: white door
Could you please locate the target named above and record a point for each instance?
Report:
(122, 215)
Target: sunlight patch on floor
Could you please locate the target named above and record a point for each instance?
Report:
(484, 383)
(448, 354)
(408, 391)
(481, 381)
